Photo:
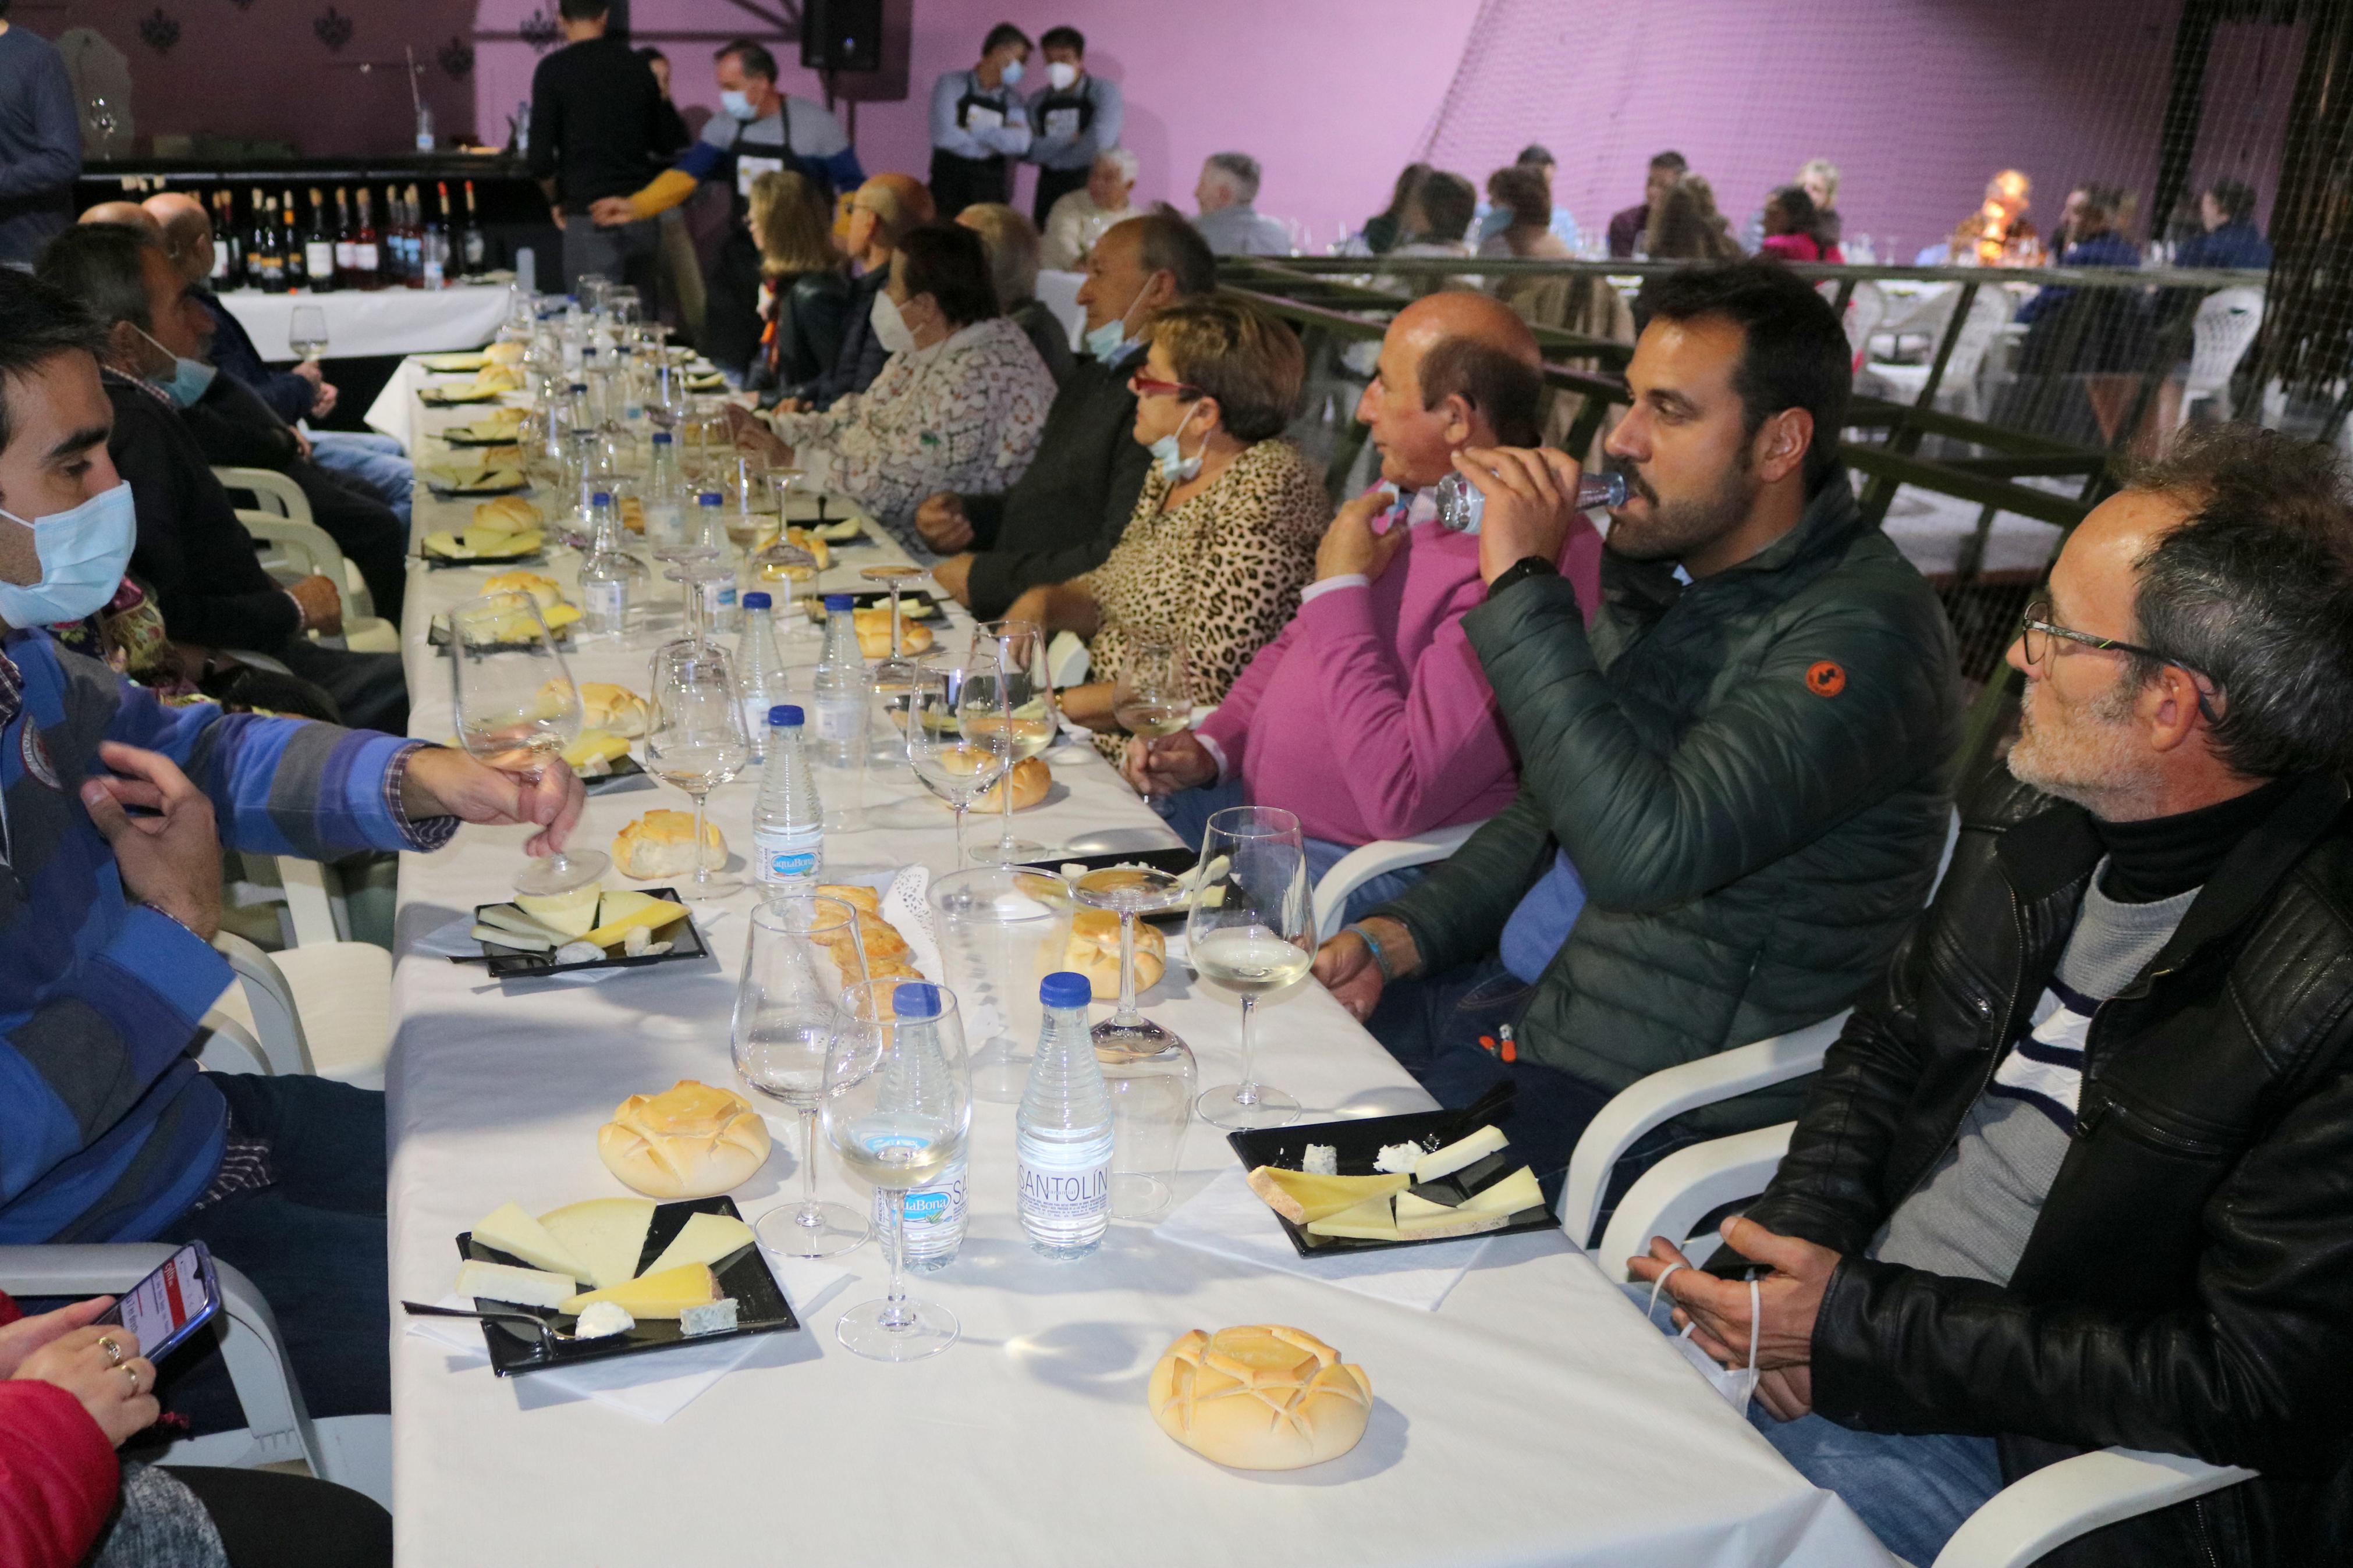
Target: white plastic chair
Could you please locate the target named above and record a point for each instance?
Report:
(323, 1009)
(349, 1450)
(1367, 862)
(1067, 660)
(1867, 307)
(295, 547)
(1957, 392)
(2225, 328)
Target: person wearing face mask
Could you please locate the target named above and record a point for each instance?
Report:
(1068, 509)
(1733, 787)
(1225, 530)
(960, 403)
(1074, 118)
(1083, 216)
(1369, 717)
(107, 919)
(192, 550)
(883, 211)
(597, 130)
(979, 124)
(758, 130)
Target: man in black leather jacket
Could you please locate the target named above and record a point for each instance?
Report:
(2078, 1173)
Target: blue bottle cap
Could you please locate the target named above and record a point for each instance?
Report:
(662, 438)
(784, 716)
(710, 498)
(757, 601)
(915, 1000)
(602, 498)
(839, 602)
(579, 387)
(1066, 989)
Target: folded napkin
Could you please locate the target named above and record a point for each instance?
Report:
(657, 1385)
(1232, 1221)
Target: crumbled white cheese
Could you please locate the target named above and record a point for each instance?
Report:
(1398, 1158)
(634, 944)
(602, 1320)
(711, 1318)
(1321, 1160)
(578, 952)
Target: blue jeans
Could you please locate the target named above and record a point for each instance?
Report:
(313, 1243)
(1914, 1492)
(374, 464)
(1187, 814)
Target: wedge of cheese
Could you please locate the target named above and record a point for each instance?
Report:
(505, 1282)
(1515, 1191)
(662, 1295)
(515, 1233)
(595, 745)
(653, 915)
(1301, 1197)
(1427, 1221)
(608, 1235)
(444, 543)
(1462, 1152)
(707, 1239)
(1368, 1221)
(567, 914)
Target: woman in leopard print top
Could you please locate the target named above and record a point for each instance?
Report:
(1217, 550)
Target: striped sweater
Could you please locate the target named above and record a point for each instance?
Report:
(107, 1131)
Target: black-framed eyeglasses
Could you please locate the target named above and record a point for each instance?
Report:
(2035, 629)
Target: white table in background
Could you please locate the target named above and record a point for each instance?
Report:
(364, 322)
(1534, 1419)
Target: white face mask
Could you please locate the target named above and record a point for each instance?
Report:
(1061, 73)
(1737, 1384)
(890, 326)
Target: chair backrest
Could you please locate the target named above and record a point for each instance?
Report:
(277, 1021)
(1864, 310)
(1989, 313)
(2223, 330)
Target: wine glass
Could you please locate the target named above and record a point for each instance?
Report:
(956, 770)
(896, 666)
(803, 952)
(782, 565)
(306, 332)
(1152, 695)
(513, 715)
(1130, 891)
(898, 1107)
(695, 737)
(1010, 710)
(1251, 932)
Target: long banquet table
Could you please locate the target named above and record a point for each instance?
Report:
(1532, 1419)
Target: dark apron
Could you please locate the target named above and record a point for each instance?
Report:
(1078, 112)
(958, 181)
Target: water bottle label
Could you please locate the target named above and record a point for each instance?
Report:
(935, 1215)
(608, 604)
(1066, 1196)
(839, 720)
(789, 858)
(756, 722)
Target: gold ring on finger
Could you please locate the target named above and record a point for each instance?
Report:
(132, 1373)
(113, 1349)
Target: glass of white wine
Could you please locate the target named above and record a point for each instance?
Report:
(517, 708)
(1010, 710)
(695, 737)
(1152, 695)
(956, 770)
(306, 332)
(897, 1108)
(1252, 932)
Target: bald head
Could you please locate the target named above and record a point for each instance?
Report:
(124, 215)
(187, 232)
(1457, 368)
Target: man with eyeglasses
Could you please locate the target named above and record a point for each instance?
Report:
(2075, 1173)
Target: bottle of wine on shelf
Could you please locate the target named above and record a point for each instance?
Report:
(396, 239)
(473, 248)
(228, 255)
(415, 272)
(437, 239)
(346, 256)
(367, 260)
(298, 260)
(267, 248)
(319, 246)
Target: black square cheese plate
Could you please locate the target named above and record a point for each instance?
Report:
(514, 963)
(1357, 1144)
(760, 1304)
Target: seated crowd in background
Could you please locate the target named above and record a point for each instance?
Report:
(1012, 246)
(1085, 214)
(804, 288)
(881, 212)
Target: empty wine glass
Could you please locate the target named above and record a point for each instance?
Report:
(785, 563)
(802, 955)
(1250, 932)
(956, 770)
(1130, 893)
(894, 670)
(517, 708)
(1152, 695)
(695, 737)
(1010, 710)
(898, 1108)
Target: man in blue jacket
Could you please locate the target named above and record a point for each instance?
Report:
(108, 1131)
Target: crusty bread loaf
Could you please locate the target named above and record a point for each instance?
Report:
(1031, 779)
(692, 1141)
(506, 514)
(659, 845)
(874, 633)
(604, 706)
(1261, 1397)
(1093, 951)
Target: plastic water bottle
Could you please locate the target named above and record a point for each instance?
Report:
(1063, 1129)
(759, 672)
(840, 688)
(664, 502)
(935, 1222)
(707, 533)
(788, 821)
(1460, 504)
(610, 577)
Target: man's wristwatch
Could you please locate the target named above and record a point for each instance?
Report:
(1526, 566)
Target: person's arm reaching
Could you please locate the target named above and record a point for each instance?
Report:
(54, 161)
(699, 162)
(820, 143)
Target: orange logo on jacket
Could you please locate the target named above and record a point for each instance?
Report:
(1826, 679)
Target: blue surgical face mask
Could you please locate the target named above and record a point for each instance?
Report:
(1012, 74)
(1176, 469)
(1105, 342)
(189, 377)
(738, 105)
(83, 554)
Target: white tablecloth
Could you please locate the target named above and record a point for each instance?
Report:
(363, 322)
(1534, 1419)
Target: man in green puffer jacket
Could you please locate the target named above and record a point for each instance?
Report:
(1734, 789)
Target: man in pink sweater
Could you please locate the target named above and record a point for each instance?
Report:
(1369, 717)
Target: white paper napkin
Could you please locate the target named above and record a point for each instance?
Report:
(655, 1386)
(905, 906)
(1232, 1221)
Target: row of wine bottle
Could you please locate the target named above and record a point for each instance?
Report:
(275, 252)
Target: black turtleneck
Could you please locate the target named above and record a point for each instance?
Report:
(2162, 856)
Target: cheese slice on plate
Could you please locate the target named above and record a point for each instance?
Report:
(1302, 1197)
(1515, 1191)
(595, 745)
(662, 1295)
(1419, 1219)
(1368, 1221)
(654, 914)
(515, 1233)
(1462, 1152)
(505, 1282)
(567, 914)
(608, 1235)
(707, 1239)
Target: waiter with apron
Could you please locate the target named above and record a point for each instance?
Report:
(979, 125)
(1073, 119)
(761, 130)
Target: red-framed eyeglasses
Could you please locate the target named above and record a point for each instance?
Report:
(1144, 385)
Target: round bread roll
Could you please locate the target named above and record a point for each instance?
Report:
(659, 844)
(1261, 1397)
(511, 514)
(1031, 779)
(604, 706)
(874, 633)
(857, 895)
(690, 1141)
(544, 589)
(1093, 951)
(504, 353)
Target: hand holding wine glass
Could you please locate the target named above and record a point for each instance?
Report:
(1252, 932)
(517, 708)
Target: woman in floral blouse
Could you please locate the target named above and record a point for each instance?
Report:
(1224, 535)
(959, 405)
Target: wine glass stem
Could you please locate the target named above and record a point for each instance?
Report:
(895, 652)
(896, 1316)
(959, 816)
(1127, 1013)
(1004, 789)
(1247, 1093)
(701, 866)
(810, 1216)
